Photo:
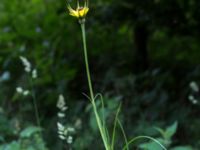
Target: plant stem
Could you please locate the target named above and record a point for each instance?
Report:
(99, 123)
(35, 104)
(86, 61)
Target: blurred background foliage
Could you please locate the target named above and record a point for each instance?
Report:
(142, 53)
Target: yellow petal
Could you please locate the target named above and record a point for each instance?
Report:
(73, 12)
(83, 11)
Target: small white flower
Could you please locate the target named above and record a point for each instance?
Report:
(61, 102)
(191, 97)
(27, 69)
(194, 86)
(194, 101)
(64, 108)
(25, 93)
(34, 74)
(60, 126)
(26, 63)
(69, 139)
(61, 137)
(61, 115)
(19, 90)
(60, 132)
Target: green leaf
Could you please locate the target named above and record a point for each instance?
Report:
(153, 140)
(182, 148)
(171, 130)
(162, 132)
(12, 146)
(28, 132)
(150, 146)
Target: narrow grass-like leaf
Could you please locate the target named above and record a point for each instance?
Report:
(105, 130)
(102, 106)
(124, 134)
(144, 137)
(87, 97)
(108, 135)
(114, 128)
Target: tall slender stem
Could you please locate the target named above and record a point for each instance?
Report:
(99, 123)
(35, 104)
(86, 61)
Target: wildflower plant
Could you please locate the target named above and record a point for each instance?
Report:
(64, 133)
(80, 13)
(32, 75)
(21, 91)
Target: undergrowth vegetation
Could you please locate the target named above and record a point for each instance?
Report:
(133, 84)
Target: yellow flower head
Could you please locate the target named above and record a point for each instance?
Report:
(80, 11)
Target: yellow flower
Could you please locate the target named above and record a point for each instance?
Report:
(79, 12)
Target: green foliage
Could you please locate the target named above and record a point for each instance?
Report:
(28, 132)
(29, 139)
(151, 146)
(165, 139)
(12, 146)
(169, 132)
(42, 31)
